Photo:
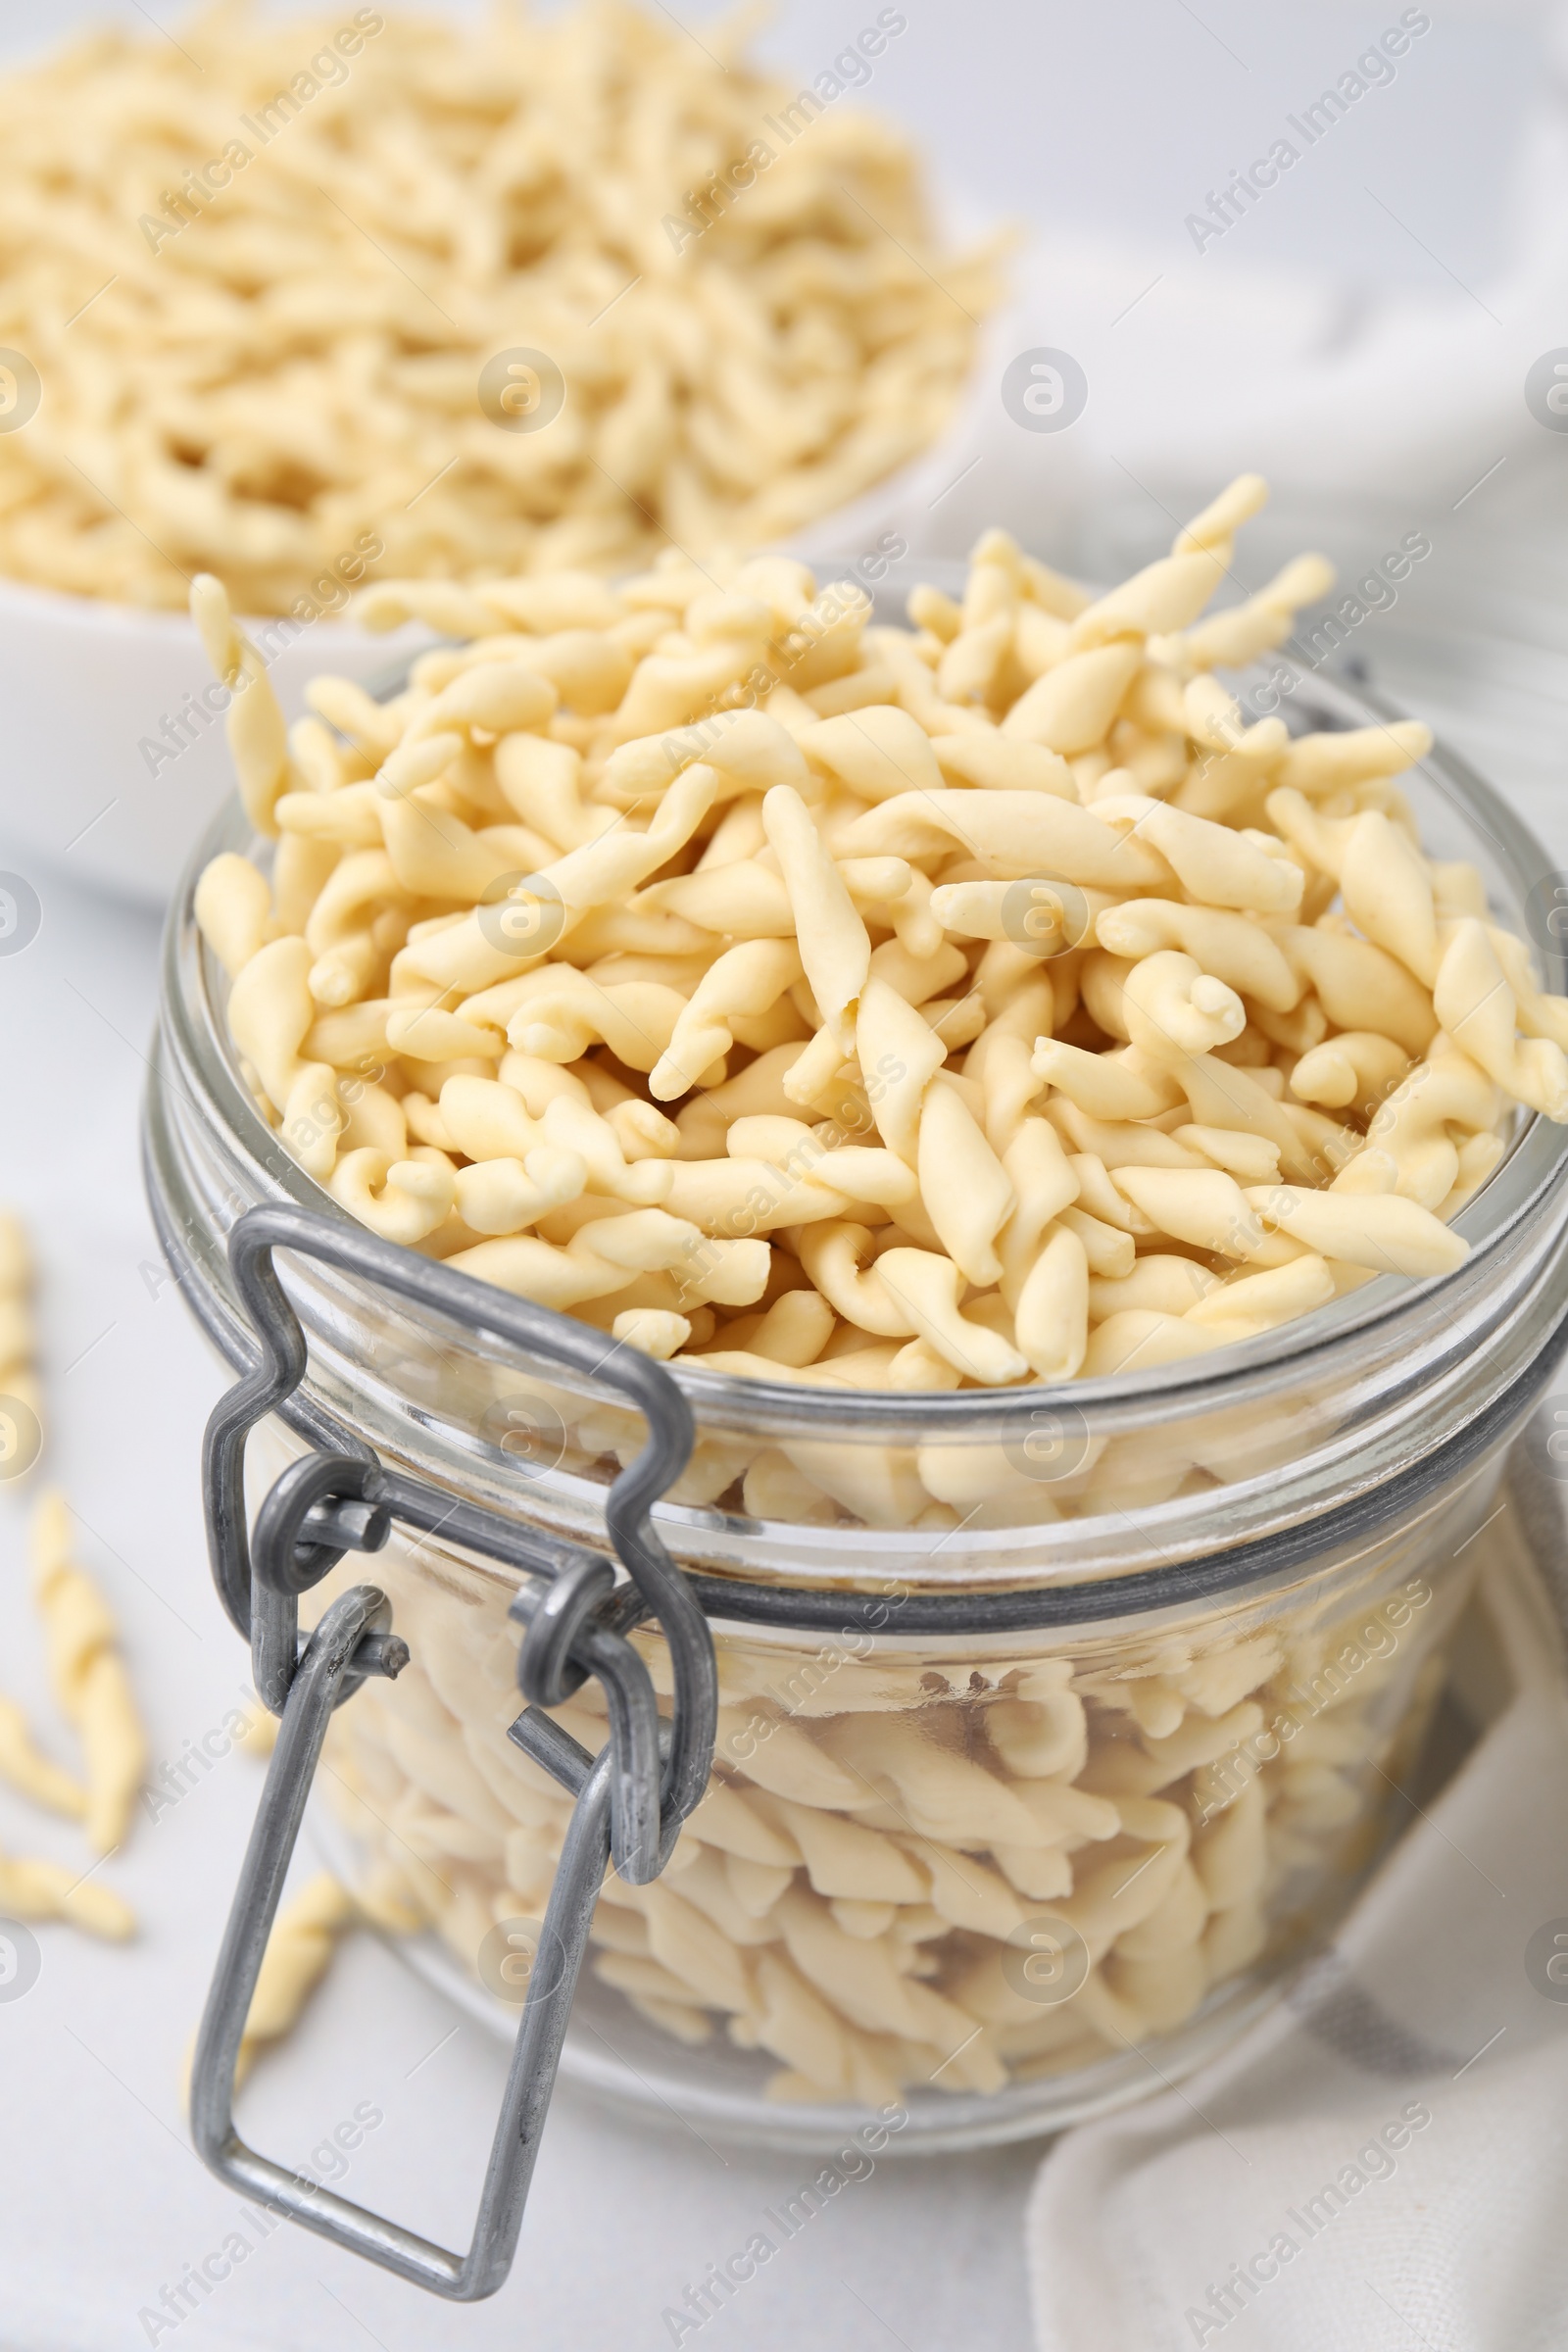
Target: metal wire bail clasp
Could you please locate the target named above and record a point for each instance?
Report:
(631, 1799)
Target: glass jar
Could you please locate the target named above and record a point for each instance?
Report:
(1057, 1724)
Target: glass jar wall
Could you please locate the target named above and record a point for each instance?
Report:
(1056, 1723)
(977, 1876)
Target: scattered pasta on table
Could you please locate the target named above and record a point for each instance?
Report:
(21, 1395)
(91, 1682)
(88, 1673)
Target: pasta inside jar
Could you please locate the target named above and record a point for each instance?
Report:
(926, 1865)
(1058, 1718)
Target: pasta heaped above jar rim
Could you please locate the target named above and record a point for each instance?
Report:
(868, 1009)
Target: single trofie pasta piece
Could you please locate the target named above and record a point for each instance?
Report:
(89, 1676)
(855, 1007)
(21, 1397)
(298, 299)
(304, 1941)
(299, 1951)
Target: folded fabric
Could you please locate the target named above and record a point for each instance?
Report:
(1364, 406)
(1380, 2161)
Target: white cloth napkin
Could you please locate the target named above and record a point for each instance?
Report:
(1365, 407)
(1381, 2163)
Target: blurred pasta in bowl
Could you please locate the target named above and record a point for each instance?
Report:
(540, 295)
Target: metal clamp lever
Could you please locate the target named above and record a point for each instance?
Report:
(536, 2054)
(632, 1801)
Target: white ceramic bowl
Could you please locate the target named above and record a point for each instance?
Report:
(87, 691)
(95, 786)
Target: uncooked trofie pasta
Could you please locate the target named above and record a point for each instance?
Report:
(21, 1399)
(90, 1676)
(32, 1888)
(299, 1951)
(300, 1945)
(480, 300)
(87, 1672)
(945, 1867)
(869, 1009)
